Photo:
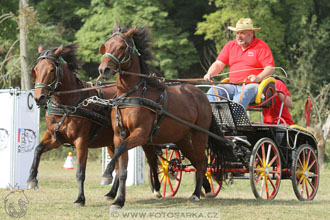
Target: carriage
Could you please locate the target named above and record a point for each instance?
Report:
(265, 154)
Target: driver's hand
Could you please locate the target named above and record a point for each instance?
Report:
(207, 77)
(254, 78)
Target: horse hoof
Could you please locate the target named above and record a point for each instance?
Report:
(77, 204)
(108, 198)
(157, 195)
(209, 195)
(115, 207)
(106, 181)
(193, 198)
(32, 185)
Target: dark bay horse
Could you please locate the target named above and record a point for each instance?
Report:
(84, 127)
(54, 72)
(134, 119)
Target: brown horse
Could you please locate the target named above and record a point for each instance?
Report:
(136, 119)
(54, 72)
(85, 128)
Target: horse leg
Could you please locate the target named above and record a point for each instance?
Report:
(113, 192)
(107, 175)
(150, 153)
(122, 176)
(82, 154)
(47, 143)
(197, 158)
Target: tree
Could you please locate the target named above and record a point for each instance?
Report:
(172, 50)
(23, 32)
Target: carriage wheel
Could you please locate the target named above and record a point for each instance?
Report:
(169, 173)
(215, 185)
(305, 173)
(265, 169)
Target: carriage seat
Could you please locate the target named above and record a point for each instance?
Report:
(265, 95)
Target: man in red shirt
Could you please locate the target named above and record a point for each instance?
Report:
(250, 60)
(283, 97)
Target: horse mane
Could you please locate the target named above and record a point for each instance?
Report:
(142, 42)
(69, 54)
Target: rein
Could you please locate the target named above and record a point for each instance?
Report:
(109, 84)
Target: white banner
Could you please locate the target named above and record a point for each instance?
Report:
(135, 168)
(19, 134)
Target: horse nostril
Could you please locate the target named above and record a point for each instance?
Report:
(107, 71)
(41, 100)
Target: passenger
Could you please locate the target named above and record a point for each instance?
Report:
(270, 114)
(248, 57)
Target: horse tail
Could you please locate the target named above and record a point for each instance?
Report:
(220, 153)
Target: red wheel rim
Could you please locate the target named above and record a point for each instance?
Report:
(169, 177)
(266, 171)
(307, 174)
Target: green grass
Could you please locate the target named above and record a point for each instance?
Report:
(58, 190)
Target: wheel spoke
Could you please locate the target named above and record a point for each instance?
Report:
(267, 192)
(259, 177)
(274, 171)
(259, 158)
(268, 153)
(271, 182)
(306, 186)
(262, 186)
(170, 184)
(310, 166)
(162, 178)
(300, 164)
(272, 161)
(171, 154)
(299, 182)
(165, 153)
(164, 187)
(303, 157)
(308, 156)
(263, 154)
(312, 186)
(302, 187)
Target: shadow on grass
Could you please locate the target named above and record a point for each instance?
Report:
(175, 202)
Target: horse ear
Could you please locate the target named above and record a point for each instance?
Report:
(102, 49)
(40, 48)
(130, 32)
(58, 51)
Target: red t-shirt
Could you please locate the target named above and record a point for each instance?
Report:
(271, 113)
(257, 55)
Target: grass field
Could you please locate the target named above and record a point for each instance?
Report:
(58, 190)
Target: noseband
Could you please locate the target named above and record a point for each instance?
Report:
(48, 54)
(129, 51)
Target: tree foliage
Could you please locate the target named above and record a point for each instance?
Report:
(172, 50)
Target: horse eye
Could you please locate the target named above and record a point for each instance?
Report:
(121, 48)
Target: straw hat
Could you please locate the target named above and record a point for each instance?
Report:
(244, 24)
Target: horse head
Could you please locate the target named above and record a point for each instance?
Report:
(118, 52)
(47, 72)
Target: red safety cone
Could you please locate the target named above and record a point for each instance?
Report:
(68, 165)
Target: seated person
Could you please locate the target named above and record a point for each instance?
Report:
(249, 58)
(270, 114)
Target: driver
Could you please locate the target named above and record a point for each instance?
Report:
(249, 59)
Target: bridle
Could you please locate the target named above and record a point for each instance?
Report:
(57, 64)
(128, 55)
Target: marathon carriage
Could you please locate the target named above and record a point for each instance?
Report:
(267, 153)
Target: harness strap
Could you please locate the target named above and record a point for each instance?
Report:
(156, 125)
(98, 118)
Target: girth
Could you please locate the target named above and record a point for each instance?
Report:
(125, 102)
(96, 117)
